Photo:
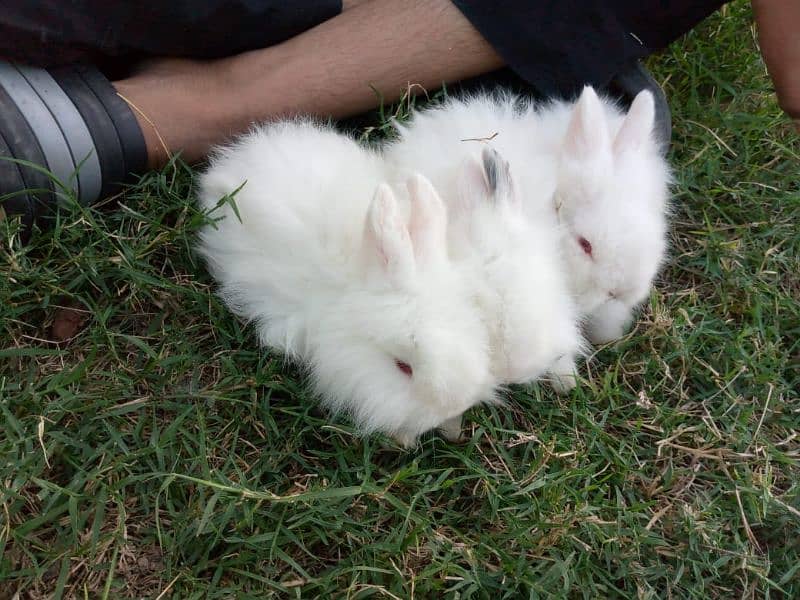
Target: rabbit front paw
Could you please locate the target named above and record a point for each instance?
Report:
(451, 430)
(608, 323)
(405, 439)
(563, 375)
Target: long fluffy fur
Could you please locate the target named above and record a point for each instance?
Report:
(322, 262)
(574, 176)
(517, 260)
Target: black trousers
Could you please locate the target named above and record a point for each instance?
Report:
(554, 45)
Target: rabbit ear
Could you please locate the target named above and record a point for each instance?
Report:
(497, 173)
(388, 237)
(428, 220)
(637, 128)
(487, 178)
(587, 134)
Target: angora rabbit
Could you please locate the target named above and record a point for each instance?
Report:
(516, 271)
(612, 198)
(348, 276)
(582, 167)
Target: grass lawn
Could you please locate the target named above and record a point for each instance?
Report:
(160, 453)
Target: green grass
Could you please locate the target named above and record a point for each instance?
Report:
(159, 450)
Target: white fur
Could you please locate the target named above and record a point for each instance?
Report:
(345, 275)
(517, 271)
(613, 190)
(582, 168)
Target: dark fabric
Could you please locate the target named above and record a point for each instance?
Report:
(560, 45)
(555, 45)
(54, 32)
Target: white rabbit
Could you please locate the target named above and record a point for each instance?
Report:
(520, 285)
(612, 199)
(347, 277)
(609, 198)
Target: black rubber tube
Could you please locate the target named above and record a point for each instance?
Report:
(101, 127)
(11, 181)
(127, 127)
(22, 144)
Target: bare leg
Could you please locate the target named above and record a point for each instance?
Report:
(348, 4)
(330, 70)
(778, 23)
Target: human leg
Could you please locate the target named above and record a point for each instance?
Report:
(334, 69)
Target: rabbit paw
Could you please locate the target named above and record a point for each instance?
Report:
(451, 430)
(405, 439)
(563, 383)
(608, 323)
(563, 376)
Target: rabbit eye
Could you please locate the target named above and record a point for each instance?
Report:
(586, 246)
(404, 367)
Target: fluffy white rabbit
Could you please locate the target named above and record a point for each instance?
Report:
(612, 197)
(584, 167)
(517, 273)
(348, 277)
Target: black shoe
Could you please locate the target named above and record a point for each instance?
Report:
(64, 134)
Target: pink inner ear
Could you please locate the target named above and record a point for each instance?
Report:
(384, 260)
(637, 127)
(403, 367)
(387, 237)
(587, 133)
(427, 225)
